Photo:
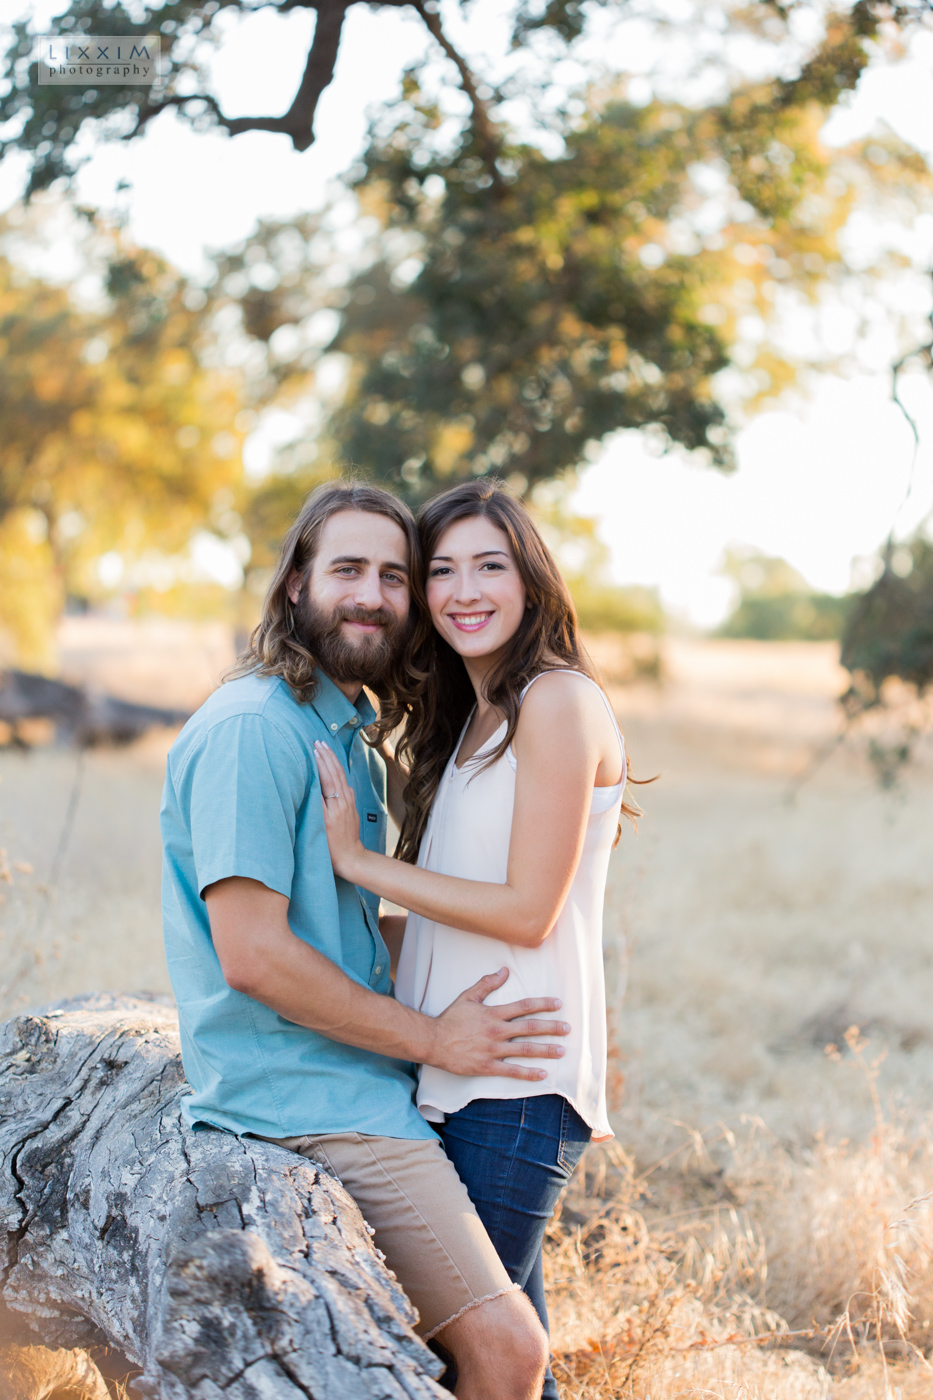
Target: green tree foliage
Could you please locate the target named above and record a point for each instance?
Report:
(117, 435)
(887, 648)
(522, 304)
(519, 304)
(776, 604)
(523, 310)
(503, 331)
(789, 617)
(890, 629)
(48, 121)
(889, 636)
(535, 323)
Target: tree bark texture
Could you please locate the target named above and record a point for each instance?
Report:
(219, 1265)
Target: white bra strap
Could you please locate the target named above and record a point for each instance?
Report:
(565, 670)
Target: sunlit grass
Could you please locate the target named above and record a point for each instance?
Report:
(747, 1269)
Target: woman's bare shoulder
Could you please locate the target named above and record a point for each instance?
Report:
(560, 695)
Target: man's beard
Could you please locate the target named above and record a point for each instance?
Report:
(367, 659)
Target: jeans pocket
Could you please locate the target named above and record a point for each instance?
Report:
(574, 1138)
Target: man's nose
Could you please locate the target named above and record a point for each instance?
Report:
(368, 591)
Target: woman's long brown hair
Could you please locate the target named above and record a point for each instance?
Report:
(441, 695)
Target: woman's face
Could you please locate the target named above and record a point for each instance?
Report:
(475, 593)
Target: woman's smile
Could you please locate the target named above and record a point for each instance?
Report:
(470, 622)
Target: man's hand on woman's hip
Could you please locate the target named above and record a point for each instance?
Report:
(474, 1039)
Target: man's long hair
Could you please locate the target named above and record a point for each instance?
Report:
(441, 695)
(275, 647)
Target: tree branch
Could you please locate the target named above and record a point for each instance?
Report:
(318, 73)
(298, 121)
(487, 133)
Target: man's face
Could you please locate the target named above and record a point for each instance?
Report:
(352, 612)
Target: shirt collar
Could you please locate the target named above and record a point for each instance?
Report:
(335, 709)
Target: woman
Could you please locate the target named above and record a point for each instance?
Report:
(514, 790)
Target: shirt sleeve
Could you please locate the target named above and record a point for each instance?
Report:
(246, 786)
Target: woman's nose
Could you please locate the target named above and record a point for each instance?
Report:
(468, 589)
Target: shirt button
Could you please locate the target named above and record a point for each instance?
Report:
(334, 728)
(355, 719)
(377, 970)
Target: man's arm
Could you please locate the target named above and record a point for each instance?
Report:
(261, 957)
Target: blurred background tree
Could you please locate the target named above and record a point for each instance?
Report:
(118, 434)
(518, 293)
(776, 604)
(579, 297)
(50, 120)
(890, 631)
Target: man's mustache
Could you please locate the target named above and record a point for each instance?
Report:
(377, 617)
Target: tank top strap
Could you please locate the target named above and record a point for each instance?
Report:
(566, 670)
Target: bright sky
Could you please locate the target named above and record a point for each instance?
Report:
(820, 481)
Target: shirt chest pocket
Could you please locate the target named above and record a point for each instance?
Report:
(373, 829)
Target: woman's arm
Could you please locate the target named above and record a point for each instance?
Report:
(564, 735)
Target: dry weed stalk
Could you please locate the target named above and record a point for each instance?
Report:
(882, 1309)
(27, 951)
(20, 951)
(748, 1295)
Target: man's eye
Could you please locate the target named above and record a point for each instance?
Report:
(393, 578)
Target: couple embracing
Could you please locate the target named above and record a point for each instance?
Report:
(452, 1102)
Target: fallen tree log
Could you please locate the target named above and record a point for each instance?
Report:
(82, 717)
(218, 1265)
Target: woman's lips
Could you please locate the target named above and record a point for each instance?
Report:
(469, 622)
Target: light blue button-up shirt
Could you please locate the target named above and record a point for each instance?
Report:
(242, 797)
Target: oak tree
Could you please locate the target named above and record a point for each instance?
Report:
(118, 432)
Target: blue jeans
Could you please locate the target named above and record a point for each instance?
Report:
(514, 1156)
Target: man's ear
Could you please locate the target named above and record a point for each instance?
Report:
(293, 585)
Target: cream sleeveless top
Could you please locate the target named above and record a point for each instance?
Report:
(468, 835)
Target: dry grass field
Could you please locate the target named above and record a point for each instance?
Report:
(759, 1229)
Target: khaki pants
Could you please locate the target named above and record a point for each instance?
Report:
(424, 1221)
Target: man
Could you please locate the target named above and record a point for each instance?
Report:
(289, 1029)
